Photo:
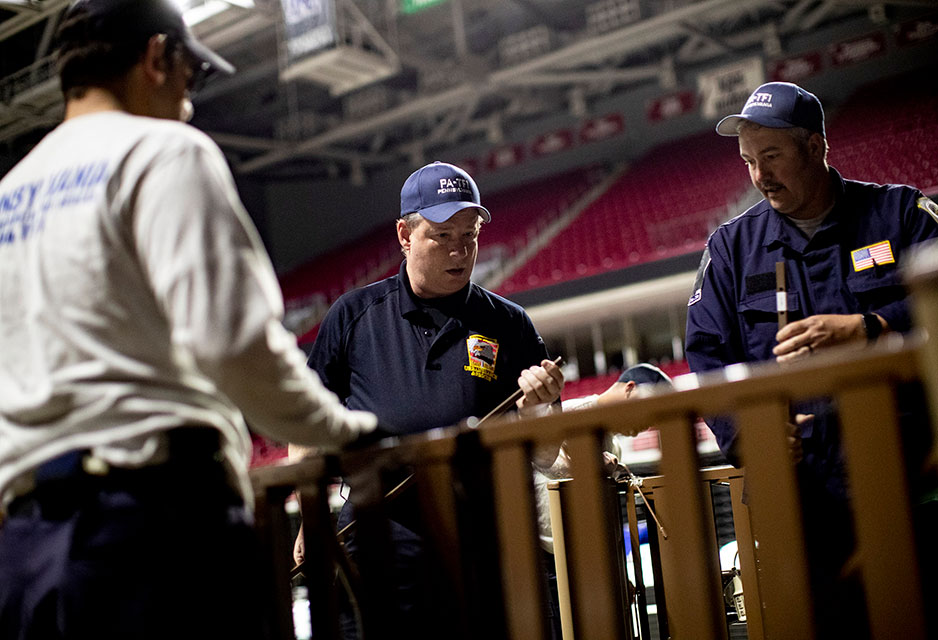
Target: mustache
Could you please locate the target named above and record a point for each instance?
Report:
(765, 186)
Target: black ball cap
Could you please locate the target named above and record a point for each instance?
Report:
(116, 20)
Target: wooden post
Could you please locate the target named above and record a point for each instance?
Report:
(521, 570)
(775, 511)
(594, 583)
(882, 514)
(695, 600)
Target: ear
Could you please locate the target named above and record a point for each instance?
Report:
(403, 235)
(630, 388)
(155, 68)
(816, 145)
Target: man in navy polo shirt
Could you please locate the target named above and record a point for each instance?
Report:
(840, 241)
(427, 348)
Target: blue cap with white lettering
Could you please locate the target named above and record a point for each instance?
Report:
(438, 191)
(778, 105)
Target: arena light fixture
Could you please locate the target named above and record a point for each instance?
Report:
(196, 11)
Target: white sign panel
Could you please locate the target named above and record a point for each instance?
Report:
(723, 91)
(309, 26)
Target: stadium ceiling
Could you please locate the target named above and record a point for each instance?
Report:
(403, 86)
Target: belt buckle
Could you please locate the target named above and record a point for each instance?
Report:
(64, 467)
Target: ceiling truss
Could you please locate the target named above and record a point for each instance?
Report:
(449, 86)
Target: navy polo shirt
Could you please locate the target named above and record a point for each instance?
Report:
(848, 266)
(420, 364)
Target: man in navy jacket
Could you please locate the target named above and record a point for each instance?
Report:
(840, 241)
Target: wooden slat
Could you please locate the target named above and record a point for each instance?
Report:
(883, 517)
(273, 529)
(556, 498)
(438, 506)
(521, 569)
(375, 548)
(321, 549)
(921, 274)
(775, 512)
(715, 396)
(591, 554)
(641, 598)
(695, 601)
(747, 561)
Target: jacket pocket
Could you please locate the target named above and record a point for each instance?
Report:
(758, 318)
(875, 288)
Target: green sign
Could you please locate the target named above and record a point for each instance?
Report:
(413, 6)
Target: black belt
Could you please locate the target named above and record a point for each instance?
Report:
(70, 474)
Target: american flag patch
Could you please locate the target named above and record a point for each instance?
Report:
(866, 257)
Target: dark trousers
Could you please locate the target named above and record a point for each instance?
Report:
(418, 601)
(162, 552)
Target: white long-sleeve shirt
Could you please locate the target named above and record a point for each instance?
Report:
(136, 296)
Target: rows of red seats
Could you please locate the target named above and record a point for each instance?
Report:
(664, 205)
(886, 132)
(521, 212)
(344, 268)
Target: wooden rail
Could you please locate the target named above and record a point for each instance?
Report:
(476, 486)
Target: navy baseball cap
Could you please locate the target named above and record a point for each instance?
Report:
(644, 374)
(778, 105)
(438, 191)
(119, 20)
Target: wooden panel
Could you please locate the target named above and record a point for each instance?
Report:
(521, 569)
(591, 553)
(883, 517)
(775, 512)
(694, 599)
(747, 561)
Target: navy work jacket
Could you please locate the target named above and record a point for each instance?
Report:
(849, 266)
(378, 350)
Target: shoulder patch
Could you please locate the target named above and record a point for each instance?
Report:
(928, 206)
(698, 281)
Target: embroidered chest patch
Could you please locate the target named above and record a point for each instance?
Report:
(866, 257)
(482, 355)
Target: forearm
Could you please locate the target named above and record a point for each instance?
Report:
(280, 397)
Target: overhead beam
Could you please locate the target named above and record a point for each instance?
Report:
(793, 16)
(631, 37)
(717, 44)
(817, 16)
(459, 30)
(250, 143)
(19, 5)
(896, 3)
(586, 77)
(26, 19)
(591, 50)
(352, 130)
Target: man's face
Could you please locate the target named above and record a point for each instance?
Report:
(790, 175)
(440, 255)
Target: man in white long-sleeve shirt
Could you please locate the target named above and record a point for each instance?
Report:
(139, 321)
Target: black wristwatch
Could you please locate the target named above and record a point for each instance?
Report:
(873, 326)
